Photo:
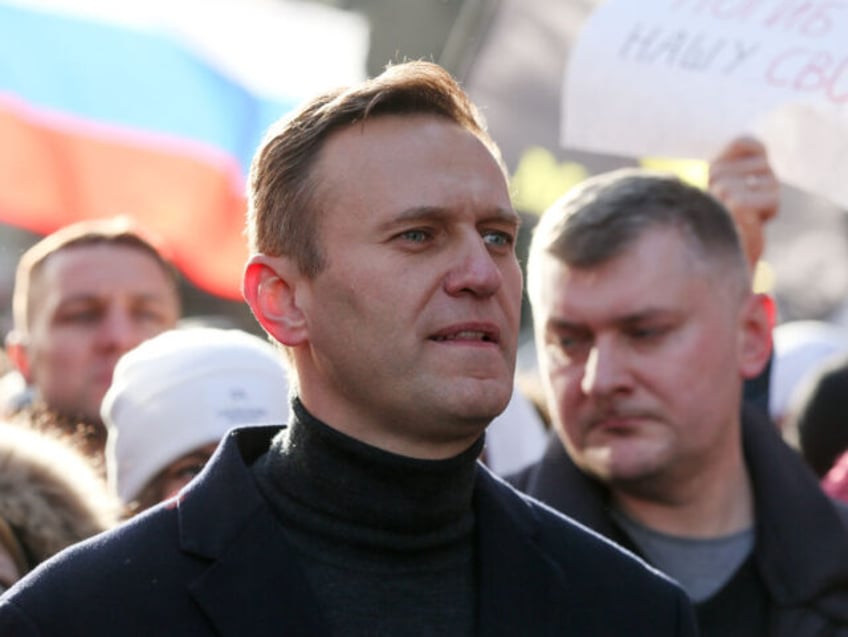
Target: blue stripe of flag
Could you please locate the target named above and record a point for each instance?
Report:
(131, 78)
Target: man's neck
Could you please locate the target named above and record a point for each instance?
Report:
(399, 434)
(707, 504)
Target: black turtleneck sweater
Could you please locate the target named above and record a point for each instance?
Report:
(385, 541)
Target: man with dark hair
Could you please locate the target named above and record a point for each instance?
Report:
(369, 514)
(646, 327)
(83, 296)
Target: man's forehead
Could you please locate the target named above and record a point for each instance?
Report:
(618, 290)
(435, 165)
(97, 270)
(70, 261)
(417, 130)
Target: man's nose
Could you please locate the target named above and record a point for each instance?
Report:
(119, 331)
(606, 370)
(475, 271)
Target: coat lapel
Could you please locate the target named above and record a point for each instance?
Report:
(253, 585)
(256, 586)
(516, 580)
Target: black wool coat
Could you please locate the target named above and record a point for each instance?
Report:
(215, 561)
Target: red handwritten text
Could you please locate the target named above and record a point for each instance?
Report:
(810, 71)
(811, 18)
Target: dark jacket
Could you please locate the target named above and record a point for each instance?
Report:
(216, 562)
(801, 536)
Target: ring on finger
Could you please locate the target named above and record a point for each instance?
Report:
(752, 181)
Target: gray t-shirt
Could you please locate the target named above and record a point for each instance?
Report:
(700, 565)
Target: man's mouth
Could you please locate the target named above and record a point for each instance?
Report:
(475, 335)
(466, 336)
(618, 422)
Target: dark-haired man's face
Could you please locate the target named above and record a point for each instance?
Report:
(90, 304)
(643, 358)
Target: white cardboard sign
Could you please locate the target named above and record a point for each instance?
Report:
(680, 78)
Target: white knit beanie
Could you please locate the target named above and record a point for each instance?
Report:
(184, 389)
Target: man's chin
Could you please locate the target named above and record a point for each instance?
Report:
(486, 400)
(606, 462)
(479, 409)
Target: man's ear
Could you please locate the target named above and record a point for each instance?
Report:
(270, 288)
(16, 351)
(755, 334)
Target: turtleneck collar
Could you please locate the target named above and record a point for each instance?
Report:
(326, 482)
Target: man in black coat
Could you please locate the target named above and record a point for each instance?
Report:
(383, 260)
(646, 327)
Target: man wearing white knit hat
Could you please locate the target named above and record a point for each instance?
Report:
(174, 397)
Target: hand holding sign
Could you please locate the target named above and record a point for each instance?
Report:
(742, 179)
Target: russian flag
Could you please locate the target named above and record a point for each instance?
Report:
(154, 110)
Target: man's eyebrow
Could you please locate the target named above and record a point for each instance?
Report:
(507, 215)
(647, 315)
(561, 325)
(93, 297)
(79, 297)
(437, 213)
(624, 320)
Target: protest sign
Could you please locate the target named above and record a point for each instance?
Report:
(680, 78)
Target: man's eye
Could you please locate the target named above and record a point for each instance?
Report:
(80, 316)
(149, 314)
(566, 349)
(415, 236)
(570, 343)
(646, 333)
(498, 238)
